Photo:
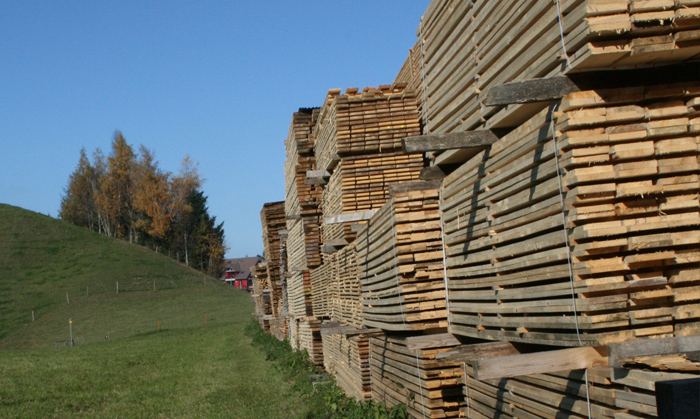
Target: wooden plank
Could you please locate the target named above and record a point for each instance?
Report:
(317, 174)
(413, 186)
(471, 352)
(336, 242)
(540, 363)
(440, 142)
(618, 352)
(439, 340)
(349, 217)
(529, 91)
(432, 173)
(315, 181)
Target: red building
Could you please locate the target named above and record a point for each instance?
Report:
(237, 271)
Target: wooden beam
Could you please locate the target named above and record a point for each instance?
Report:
(332, 246)
(413, 186)
(529, 91)
(315, 181)
(355, 228)
(349, 217)
(440, 142)
(471, 352)
(317, 174)
(619, 352)
(439, 340)
(284, 232)
(336, 242)
(540, 362)
(293, 217)
(432, 173)
(298, 268)
(335, 159)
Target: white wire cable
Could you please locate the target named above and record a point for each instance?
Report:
(466, 389)
(568, 250)
(561, 35)
(396, 267)
(444, 258)
(420, 384)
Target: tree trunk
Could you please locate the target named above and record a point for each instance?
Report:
(187, 260)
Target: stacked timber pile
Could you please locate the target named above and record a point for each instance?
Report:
(503, 387)
(303, 198)
(347, 358)
(260, 285)
(372, 121)
(321, 279)
(345, 292)
(273, 221)
(629, 183)
(262, 296)
(358, 137)
(309, 338)
(472, 46)
(638, 398)
(298, 277)
(399, 257)
(411, 74)
(428, 388)
(560, 394)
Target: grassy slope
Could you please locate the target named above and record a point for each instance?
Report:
(187, 369)
(42, 259)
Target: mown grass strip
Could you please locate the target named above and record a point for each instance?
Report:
(321, 401)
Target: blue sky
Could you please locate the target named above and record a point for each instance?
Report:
(218, 81)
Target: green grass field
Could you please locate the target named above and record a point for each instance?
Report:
(185, 369)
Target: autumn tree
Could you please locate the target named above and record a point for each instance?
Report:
(77, 203)
(127, 195)
(152, 200)
(117, 189)
(183, 185)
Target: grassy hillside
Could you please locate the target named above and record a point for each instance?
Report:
(185, 369)
(42, 260)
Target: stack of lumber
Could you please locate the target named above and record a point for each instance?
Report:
(361, 183)
(321, 279)
(400, 264)
(302, 199)
(345, 292)
(278, 328)
(293, 333)
(358, 137)
(309, 339)
(472, 46)
(638, 397)
(368, 122)
(413, 377)
(561, 394)
(273, 221)
(299, 280)
(411, 74)
(629, 183)
(347, 358)
(623, 392)
(260, 284)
